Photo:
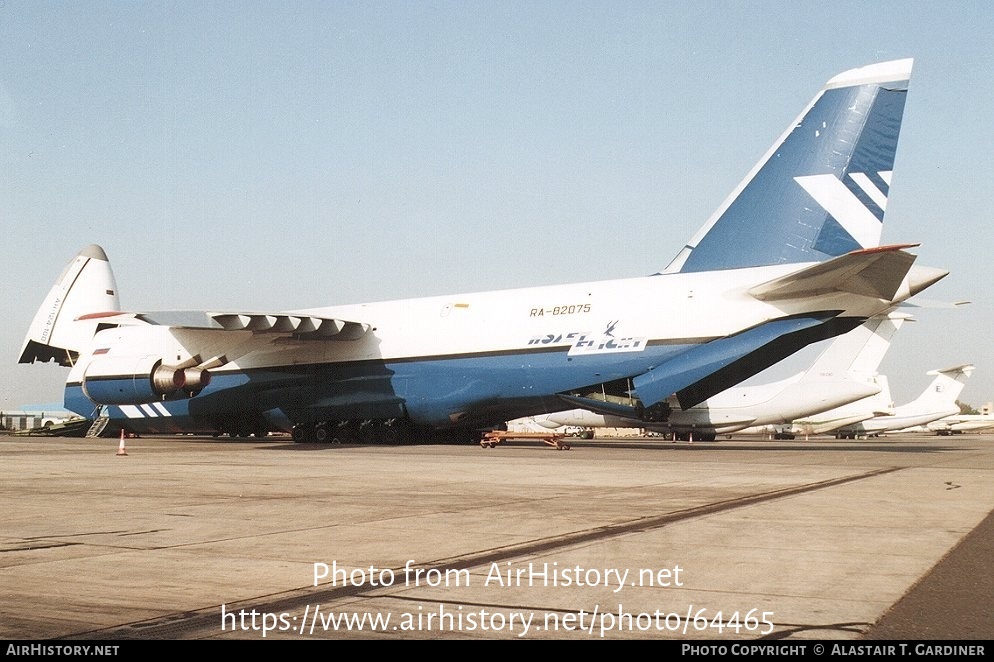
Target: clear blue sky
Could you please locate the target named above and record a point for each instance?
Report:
(273, 155)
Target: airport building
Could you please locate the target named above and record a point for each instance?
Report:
(28, 419)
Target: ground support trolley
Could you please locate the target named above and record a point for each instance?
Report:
(554, 439)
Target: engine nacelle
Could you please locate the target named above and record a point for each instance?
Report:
(131, 380)
(195, 379)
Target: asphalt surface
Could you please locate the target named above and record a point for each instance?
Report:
(953, 600)
(736, 540)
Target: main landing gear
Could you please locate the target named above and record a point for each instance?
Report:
(391, 431)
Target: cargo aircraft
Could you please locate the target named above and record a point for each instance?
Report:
(793, 256)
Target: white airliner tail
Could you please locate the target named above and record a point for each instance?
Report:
(942, 393)
(858, 353)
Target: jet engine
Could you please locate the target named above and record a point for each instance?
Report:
(129, 380)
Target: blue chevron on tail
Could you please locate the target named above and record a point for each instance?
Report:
(821, 190)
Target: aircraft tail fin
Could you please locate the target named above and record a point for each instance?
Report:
(859, 352)
(870, 272)
(943, 391)
(882, 404)
(86, 286)
(821, 190)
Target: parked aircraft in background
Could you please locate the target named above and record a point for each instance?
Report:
(842, 373)
(845, 421)
(877, 413)
(937, 401)
(850, 414)
(792, 257)
(960, 423)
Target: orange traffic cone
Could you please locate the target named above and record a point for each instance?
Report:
(120, 446)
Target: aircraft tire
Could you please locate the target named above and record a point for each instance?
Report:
(369, 433)
(344, 433)
(397, 433)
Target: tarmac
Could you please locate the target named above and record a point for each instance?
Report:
(735, 540)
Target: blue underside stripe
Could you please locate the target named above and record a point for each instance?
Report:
(429, 390)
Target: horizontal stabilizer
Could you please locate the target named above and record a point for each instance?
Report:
(933, 303)
(963, 368)
(871, 272)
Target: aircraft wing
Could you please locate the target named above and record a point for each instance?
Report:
(300, 325)
(304, 326)
(873, 272)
